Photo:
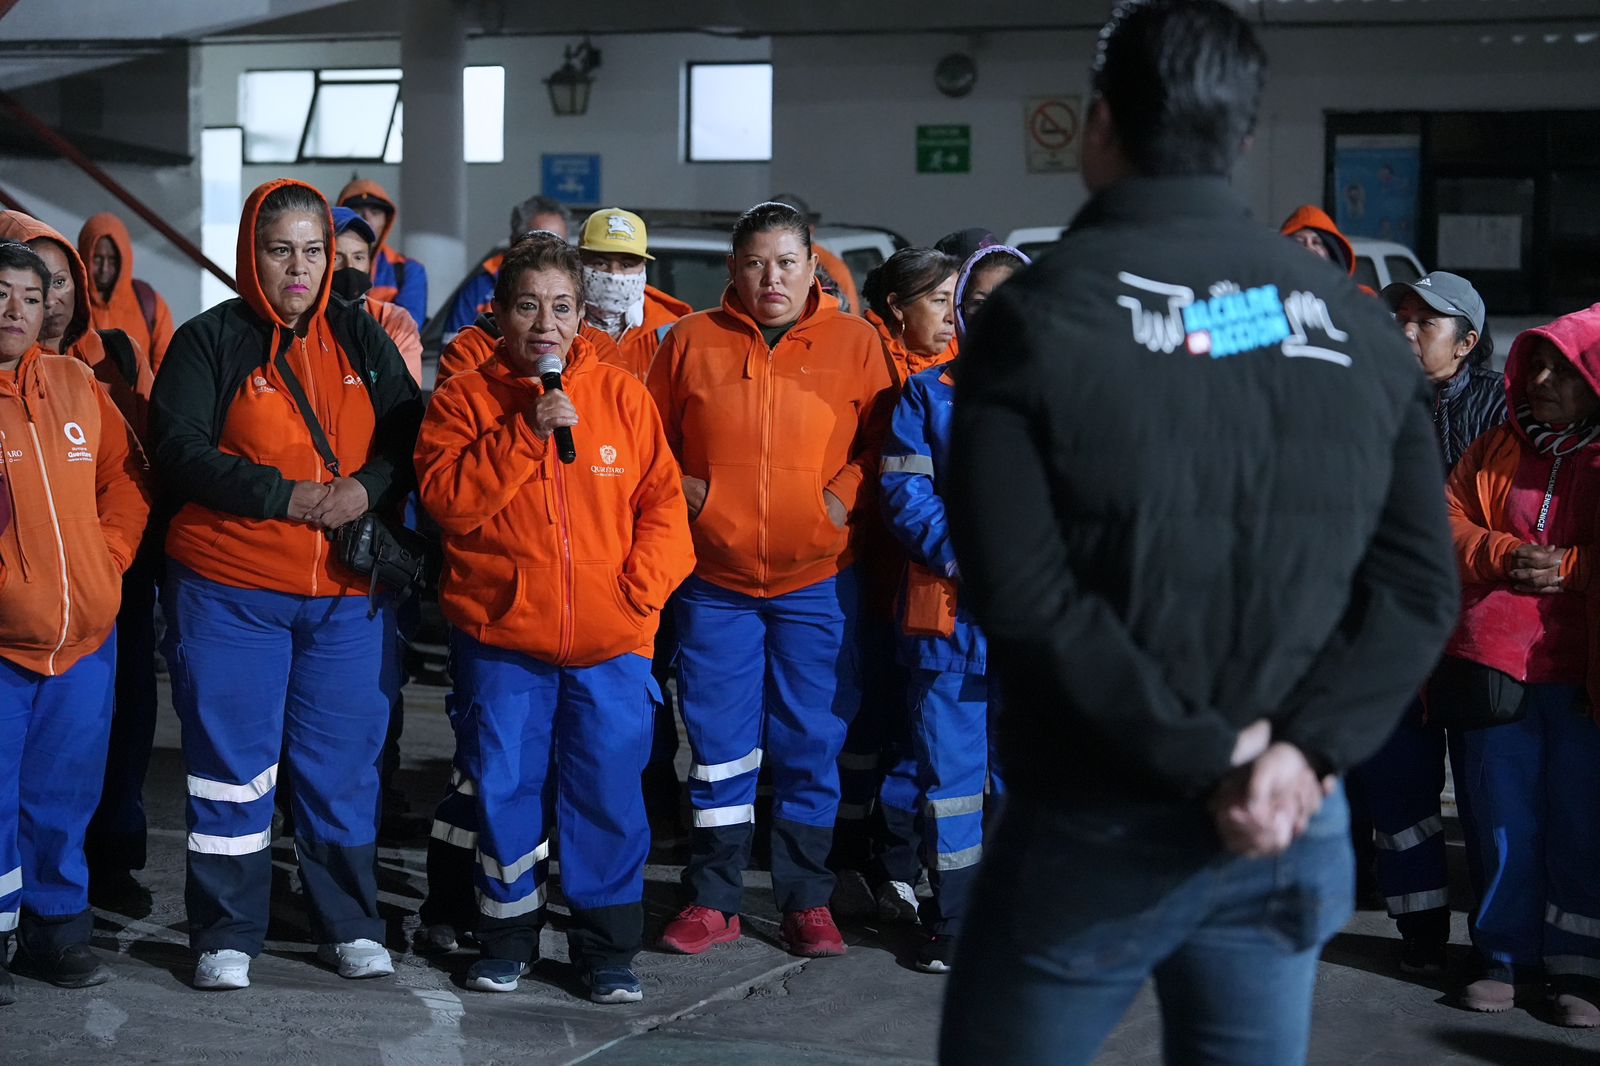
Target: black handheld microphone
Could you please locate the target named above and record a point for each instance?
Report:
(550, 377)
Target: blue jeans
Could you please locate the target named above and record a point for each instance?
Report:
(1073, 911)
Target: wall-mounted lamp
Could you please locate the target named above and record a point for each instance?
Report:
(569, 86)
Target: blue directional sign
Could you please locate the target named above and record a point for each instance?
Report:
(572, 179)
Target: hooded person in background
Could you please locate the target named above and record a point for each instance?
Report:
(118, 363)
(353, 244)
(535, 214)
(395, 278)
(117, 299)
(961, 244)
(1311, 228)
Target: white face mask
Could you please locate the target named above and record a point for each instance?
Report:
(613, 294)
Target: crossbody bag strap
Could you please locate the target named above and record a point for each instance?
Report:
(319, 439)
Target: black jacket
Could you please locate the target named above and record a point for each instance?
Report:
(1465, 408)
(1196, 484)
(208, 360)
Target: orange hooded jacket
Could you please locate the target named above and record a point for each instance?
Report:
(902, 360)
(1496, 496)
(771, 430)
(1310, 216)
(568, 563)
(402, 329)
(637, 348)
(475, 345)
(123, 310)
(80, 340)
(74, 481)
(263, 428)
(367, 187)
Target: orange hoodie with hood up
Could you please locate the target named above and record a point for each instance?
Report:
(123, 309)
(570, 563)
(74, 483)
(385, 260)
(770, 430)
(80, 340)
(263, 428)
(1312, 217)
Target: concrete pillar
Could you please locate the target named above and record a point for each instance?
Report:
(433, 177)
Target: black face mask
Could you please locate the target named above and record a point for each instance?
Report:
(351, 283)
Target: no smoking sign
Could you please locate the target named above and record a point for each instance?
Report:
(1053, 127)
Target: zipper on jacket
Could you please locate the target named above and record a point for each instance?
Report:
(568, 580)
(764, 472)
(61, 551)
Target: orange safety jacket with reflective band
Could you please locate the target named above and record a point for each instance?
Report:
(770, 430)
(74, 484)
(570, 563)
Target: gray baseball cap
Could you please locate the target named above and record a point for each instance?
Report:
(1447, 293)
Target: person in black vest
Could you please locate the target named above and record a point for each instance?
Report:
(1196, 510)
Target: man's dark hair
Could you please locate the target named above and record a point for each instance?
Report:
(910, 274)
(1183, 80)
(14, 255)
(768, 216)
(538, 250)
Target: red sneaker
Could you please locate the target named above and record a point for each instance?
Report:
(811, 933)
(697, 928)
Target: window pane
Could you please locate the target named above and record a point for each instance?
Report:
(272, 110)
(364, 74)
(730, 112)
(397, 138)
(221, 195)
(350, 121)
(483, 110)
(693, 276)
(1400, 268)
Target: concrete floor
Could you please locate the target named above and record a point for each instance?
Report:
(747, 1003)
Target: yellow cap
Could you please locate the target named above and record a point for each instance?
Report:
(613, 230)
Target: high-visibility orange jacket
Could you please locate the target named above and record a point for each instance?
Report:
(74, 485)
(402, 329)
(231, 443)
(772, 429)
(125, 309)
(81, 341)
(570, 563)
(476, 344)
(903, 362)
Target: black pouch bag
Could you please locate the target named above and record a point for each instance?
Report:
(1463, 694)
(389, 555)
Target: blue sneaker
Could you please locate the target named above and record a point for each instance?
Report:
(495, 975)
(613, 984)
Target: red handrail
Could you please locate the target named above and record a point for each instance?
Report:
(70, 152)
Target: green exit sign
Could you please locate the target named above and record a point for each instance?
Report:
(944, 149)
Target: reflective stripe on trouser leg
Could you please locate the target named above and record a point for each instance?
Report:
(1572, 778)
(229, 653)
(58, 730)
(337, 716)
(453, 852)
(17, 688)
(604, 726)
(504, 716)
(721, 670)
(1402, 782)
(950, 731)
(813, 692)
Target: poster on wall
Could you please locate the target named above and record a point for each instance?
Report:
(1480, 242)
(1375, 187)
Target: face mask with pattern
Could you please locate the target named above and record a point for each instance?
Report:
(615, 302)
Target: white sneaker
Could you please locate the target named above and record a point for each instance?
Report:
(222, 970)
(897, 902)
(357, 958)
